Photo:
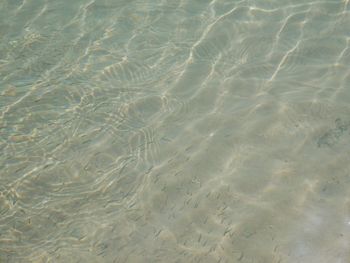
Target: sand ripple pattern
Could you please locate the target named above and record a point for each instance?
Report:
(174, 131)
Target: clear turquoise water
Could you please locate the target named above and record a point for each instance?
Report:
(174, 131)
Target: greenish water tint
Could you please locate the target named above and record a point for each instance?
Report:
(174, 131)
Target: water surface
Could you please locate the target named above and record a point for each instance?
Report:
(174, 131)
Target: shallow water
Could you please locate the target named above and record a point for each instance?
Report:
(174, 131)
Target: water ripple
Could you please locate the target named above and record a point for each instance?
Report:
(140, 131)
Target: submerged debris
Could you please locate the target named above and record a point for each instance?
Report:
(332, 136)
